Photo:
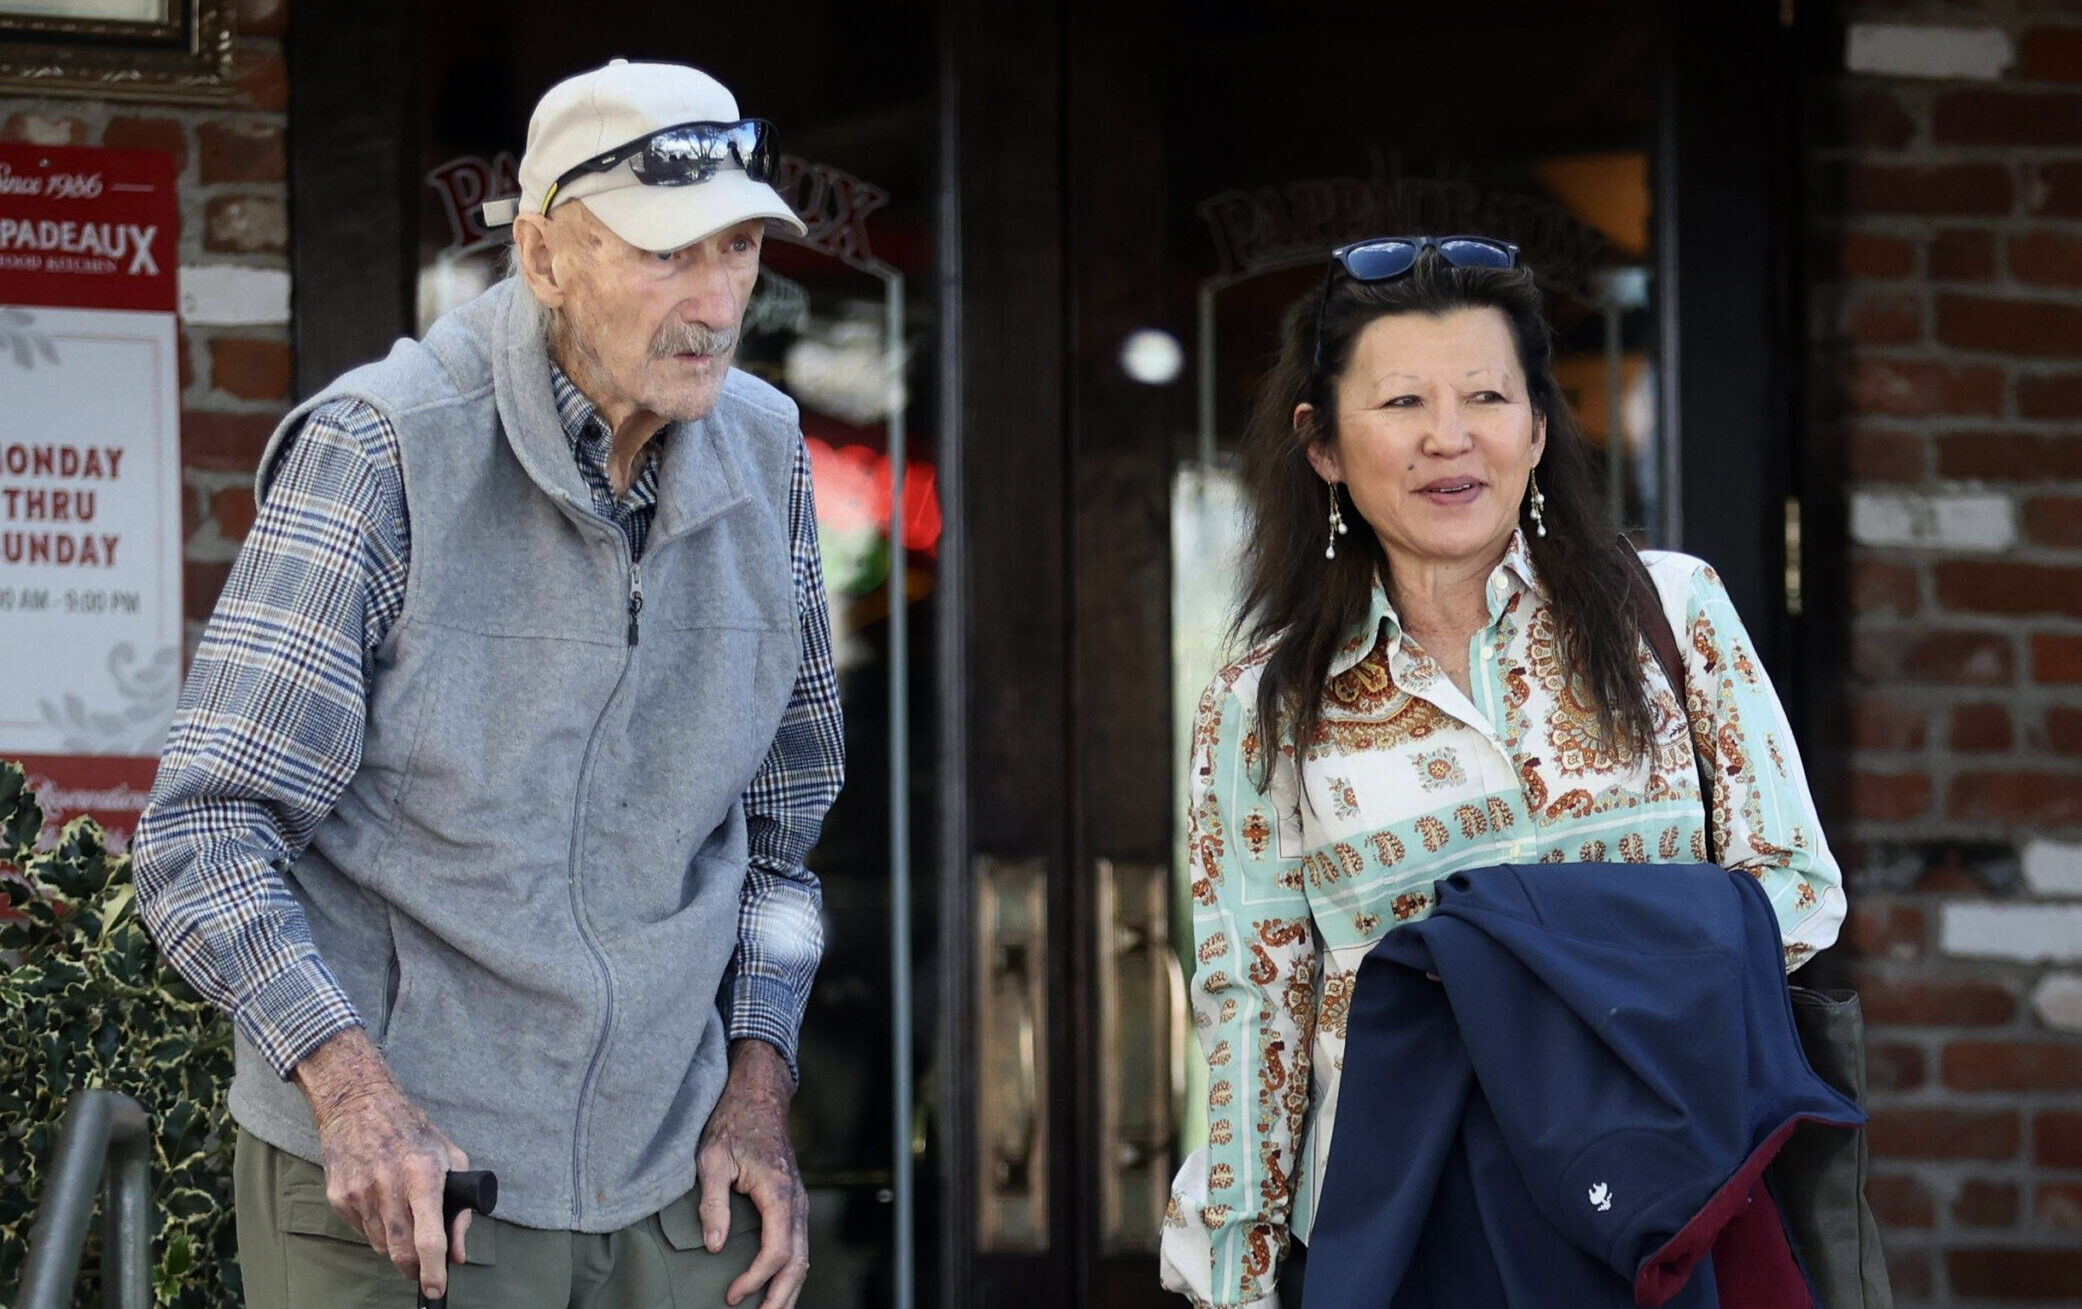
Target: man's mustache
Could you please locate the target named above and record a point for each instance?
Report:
(692, 339)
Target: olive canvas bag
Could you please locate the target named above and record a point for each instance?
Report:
(1820, 1174)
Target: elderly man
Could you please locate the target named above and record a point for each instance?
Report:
(485, 812)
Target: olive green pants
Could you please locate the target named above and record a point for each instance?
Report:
(296, 1253)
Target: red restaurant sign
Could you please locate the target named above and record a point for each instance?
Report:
(90, 229)
(90, 479)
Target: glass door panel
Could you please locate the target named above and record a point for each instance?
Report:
(1296, 129)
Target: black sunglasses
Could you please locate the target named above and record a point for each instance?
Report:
(1385, 258)
(684, 154)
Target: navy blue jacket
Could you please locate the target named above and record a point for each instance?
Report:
(1581, 1106)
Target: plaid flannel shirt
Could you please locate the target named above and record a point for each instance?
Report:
(269, 733)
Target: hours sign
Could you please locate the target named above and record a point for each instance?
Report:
(90, 472)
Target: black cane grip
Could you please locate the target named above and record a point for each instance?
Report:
(478, 1190)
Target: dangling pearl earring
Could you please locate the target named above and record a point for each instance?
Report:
(1539, 506)
(1337, 524)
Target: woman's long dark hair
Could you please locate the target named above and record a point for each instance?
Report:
(1307, 605)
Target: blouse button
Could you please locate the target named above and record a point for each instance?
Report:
(1488, 654)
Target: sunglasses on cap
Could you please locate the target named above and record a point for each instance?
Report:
(1385, 258)
(683, 155)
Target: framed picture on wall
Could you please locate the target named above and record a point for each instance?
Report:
(116, 49)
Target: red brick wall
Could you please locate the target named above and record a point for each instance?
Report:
(234, 211)
(1947, 350)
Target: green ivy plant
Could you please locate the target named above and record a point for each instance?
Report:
(85, 1002)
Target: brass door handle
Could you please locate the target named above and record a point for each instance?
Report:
(1012, 1053)
(1012, 1062)
(1142, 1027)
(1796, 601)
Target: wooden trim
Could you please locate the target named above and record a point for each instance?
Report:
(186, 59)
(111, 30)
(956, 1203)
(352, 202)
(1723, 298)
(1007, 80)
(1820, 670)
(1119, 232)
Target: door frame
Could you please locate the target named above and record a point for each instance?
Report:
(1061, 640)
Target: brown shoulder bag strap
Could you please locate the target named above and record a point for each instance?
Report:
(1655, 626)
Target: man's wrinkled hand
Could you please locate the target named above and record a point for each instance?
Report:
(385, 1161)
(745, 1148)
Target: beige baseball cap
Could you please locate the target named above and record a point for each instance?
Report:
(594, 113)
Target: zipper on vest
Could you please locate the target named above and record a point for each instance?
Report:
(581, 1127)
(635, 597)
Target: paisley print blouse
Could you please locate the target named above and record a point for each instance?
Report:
(1408, 780)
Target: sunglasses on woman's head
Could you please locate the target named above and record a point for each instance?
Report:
(1385, 258)
(685, 154)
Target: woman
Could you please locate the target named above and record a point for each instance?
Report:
(1446, 676)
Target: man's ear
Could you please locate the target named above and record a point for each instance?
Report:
(535, 245)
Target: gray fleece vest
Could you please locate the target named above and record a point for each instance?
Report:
(530, 888)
